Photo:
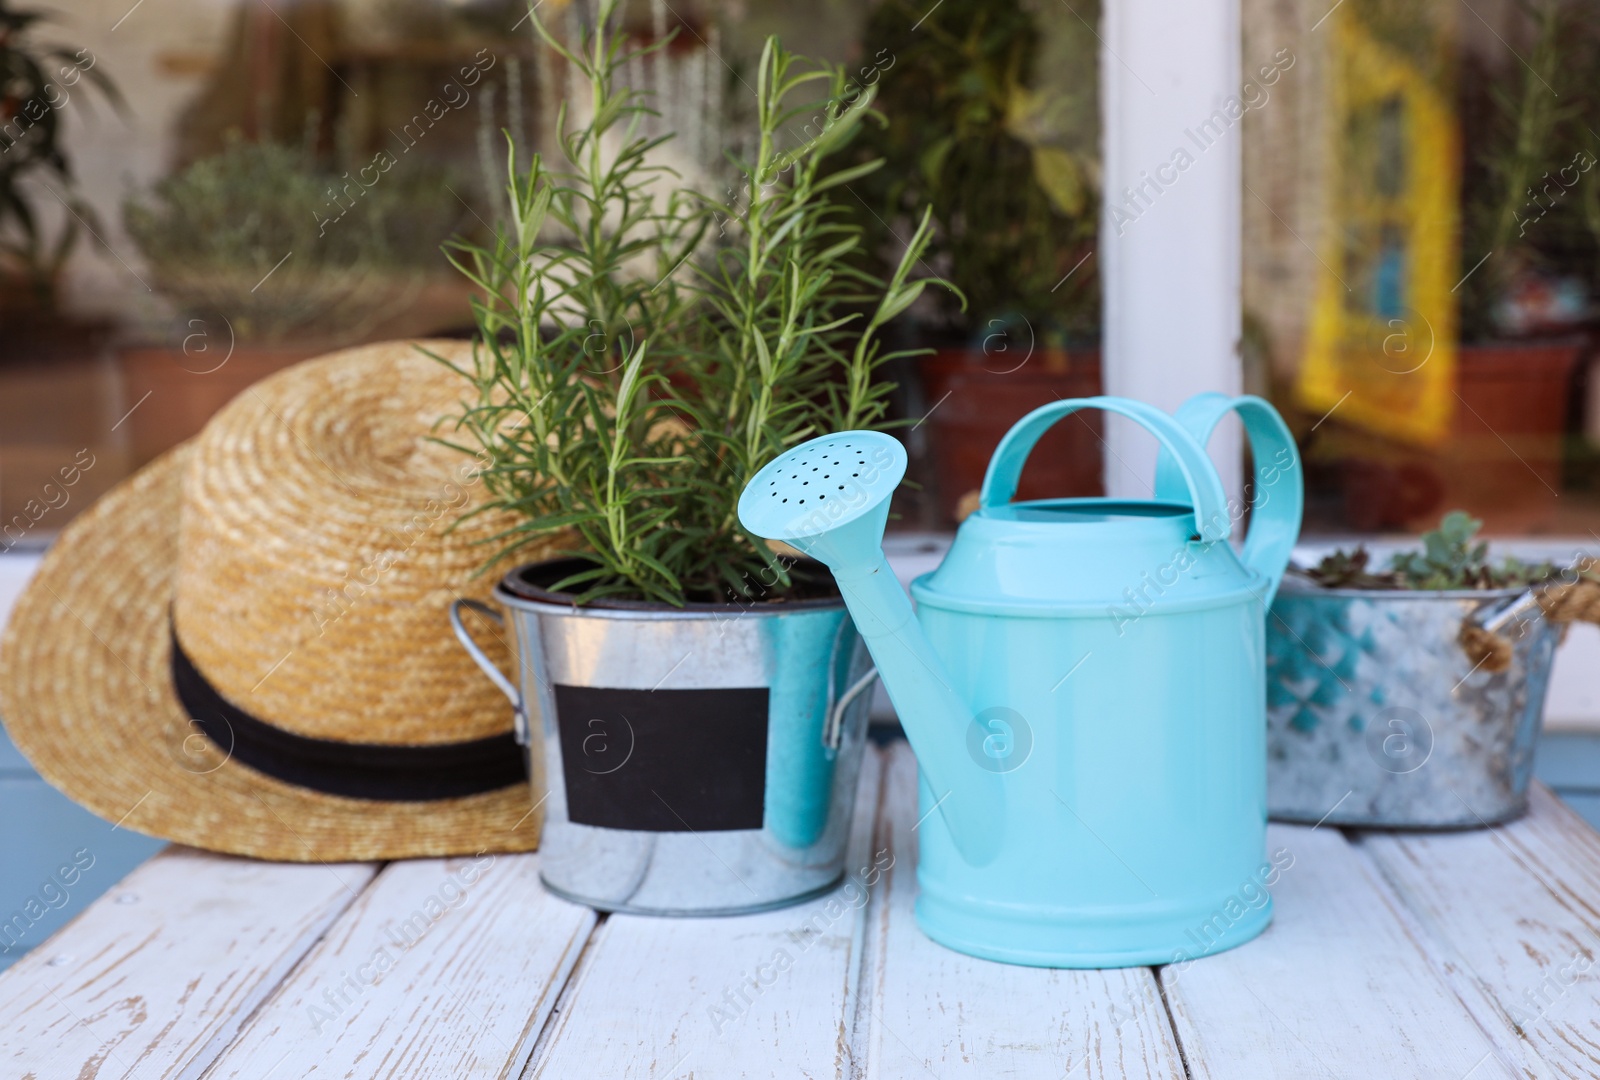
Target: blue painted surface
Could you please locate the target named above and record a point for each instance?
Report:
(55, 856)
(1569, 763)
(1569, 760)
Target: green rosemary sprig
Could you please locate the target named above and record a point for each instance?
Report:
(628, 409)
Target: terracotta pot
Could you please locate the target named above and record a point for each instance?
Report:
(190, 379)
(976, 398)
(172, 392)
(58, 452)
(1510, 422)
(1385, 496)
(39, 338)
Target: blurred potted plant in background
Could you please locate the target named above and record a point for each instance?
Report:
(1006, 158)
(268, 259)
(1531, 216)
(1411, 695)
(37, 80)
(1521, 260)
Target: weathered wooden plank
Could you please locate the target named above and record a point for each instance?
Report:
(1338, 986)
(156, 977)
(445, 969)
(765, 995)
(930, 1011)
(1513, 915)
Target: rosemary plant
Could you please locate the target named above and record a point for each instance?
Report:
(644, 349)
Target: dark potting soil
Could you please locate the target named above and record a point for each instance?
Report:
(810, 585)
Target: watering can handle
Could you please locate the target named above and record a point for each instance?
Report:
(1191, 466)
(1276, 491)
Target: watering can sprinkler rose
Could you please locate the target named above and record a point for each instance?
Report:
(1123, 804)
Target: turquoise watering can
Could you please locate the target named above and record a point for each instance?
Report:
(1082, 681)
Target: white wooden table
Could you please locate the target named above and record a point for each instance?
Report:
(1391, 956)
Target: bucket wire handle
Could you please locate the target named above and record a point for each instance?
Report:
(1276, 491)
(1191, 464)
(488, 666)
(1560, 602)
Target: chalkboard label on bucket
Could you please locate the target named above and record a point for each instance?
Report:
(663, 760)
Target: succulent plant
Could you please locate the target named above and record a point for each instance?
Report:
(1348, 570)
(1449, 559)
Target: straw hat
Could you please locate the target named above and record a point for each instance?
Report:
(245, 646)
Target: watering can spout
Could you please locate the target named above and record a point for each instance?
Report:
(789, 501)
(934, 715)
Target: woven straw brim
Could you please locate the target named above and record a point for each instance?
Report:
(86, 694)
(321, 544)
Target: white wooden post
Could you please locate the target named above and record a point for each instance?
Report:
(1170, 227)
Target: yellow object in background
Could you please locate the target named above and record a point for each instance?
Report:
(1383, 324)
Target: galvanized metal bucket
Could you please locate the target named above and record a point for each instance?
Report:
(1376, 716)
(692, 761)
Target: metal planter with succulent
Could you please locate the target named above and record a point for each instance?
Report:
(1412, 695)
(694, 700)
